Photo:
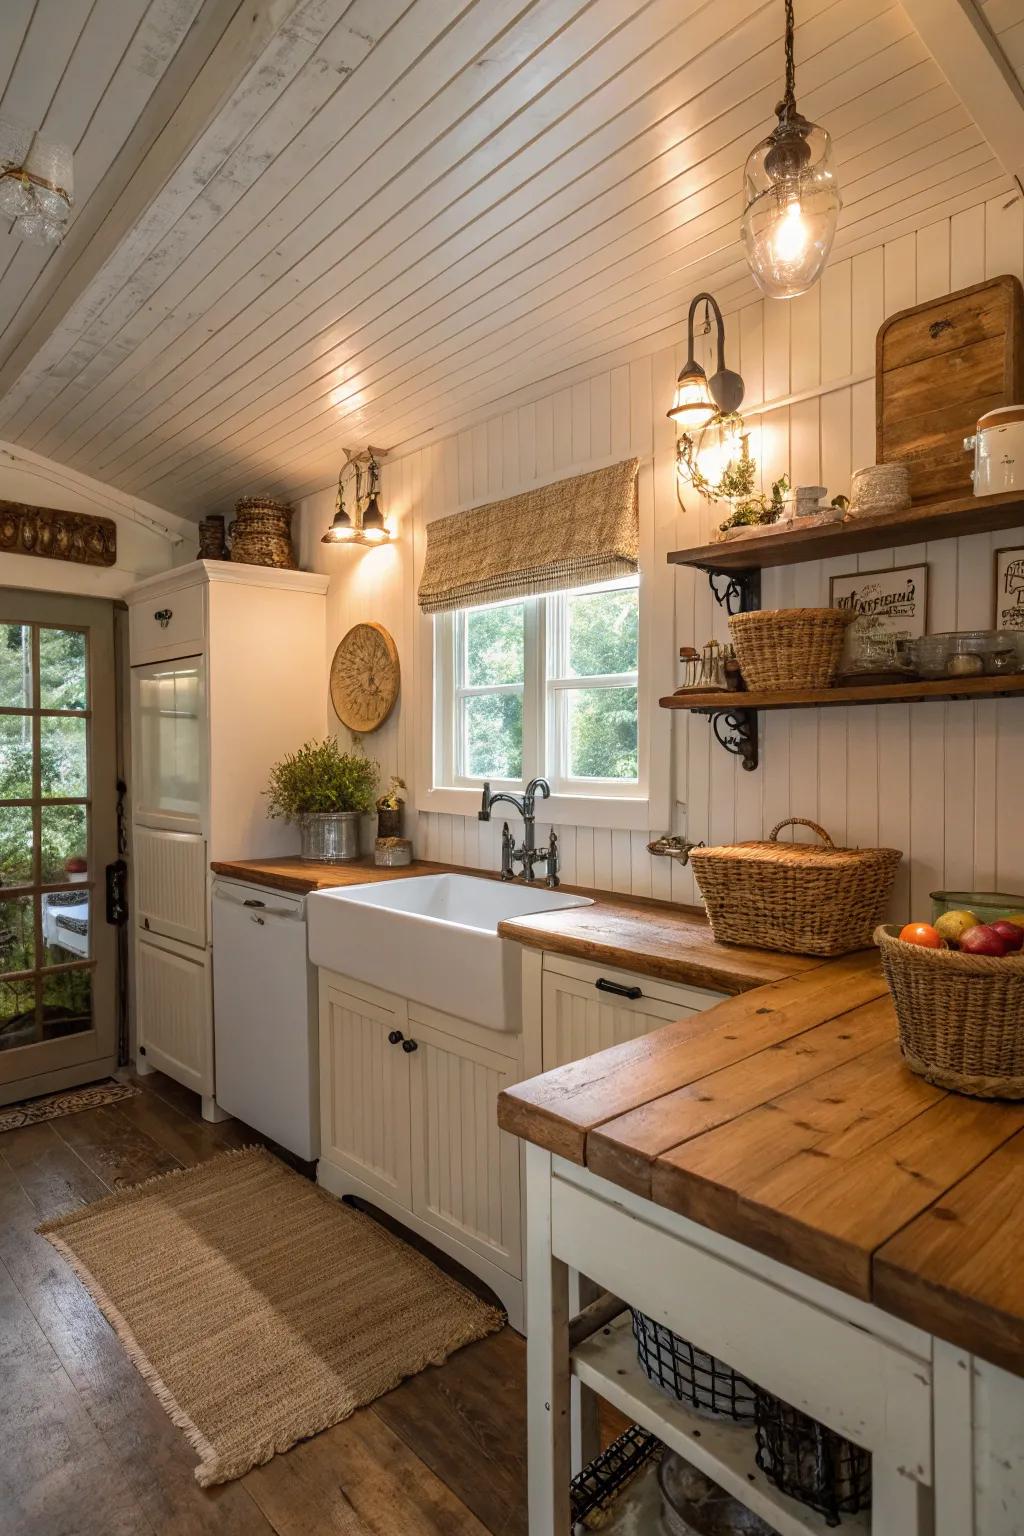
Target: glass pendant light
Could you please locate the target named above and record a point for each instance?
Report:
(792, 197)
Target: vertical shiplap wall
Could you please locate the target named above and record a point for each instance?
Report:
(939, 781)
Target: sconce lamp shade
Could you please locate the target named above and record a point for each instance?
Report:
(372, 529)
(792, 206)
(341, 530)
(693, 407)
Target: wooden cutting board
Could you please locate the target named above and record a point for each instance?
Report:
(938, 367)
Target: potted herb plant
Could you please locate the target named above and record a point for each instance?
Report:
(326, 791)
(389, 809)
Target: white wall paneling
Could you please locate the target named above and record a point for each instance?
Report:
(937, 781)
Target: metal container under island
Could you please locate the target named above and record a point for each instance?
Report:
(330, 837)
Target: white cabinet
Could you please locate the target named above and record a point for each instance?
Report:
(587, 1007)
(172, 987)
(408, 1102)
(227, 676)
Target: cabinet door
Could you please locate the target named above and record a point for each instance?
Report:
(169, 735)
(170, 883)
(465, 1171)
(168, 626)
(174, 1012)
(364, 1089)
(581, 1017)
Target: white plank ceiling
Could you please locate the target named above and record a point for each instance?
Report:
(404, 210)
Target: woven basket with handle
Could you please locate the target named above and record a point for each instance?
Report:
(961, 1016)
(789, 647)
(800, 898)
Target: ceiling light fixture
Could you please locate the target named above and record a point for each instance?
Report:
(36, 184)
(698, 400)
(792, 199)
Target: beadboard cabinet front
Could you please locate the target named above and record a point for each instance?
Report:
(364, 1089)
(173, 1004)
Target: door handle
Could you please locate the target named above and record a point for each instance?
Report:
(409, 1045)
(603, 985)
(395, 1037)
(164, 616)
(251, 902)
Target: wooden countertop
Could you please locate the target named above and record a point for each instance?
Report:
(652, 938)
(786, 1119)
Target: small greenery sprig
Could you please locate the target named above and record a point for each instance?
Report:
(392, 800)
(735, 485)
(321, 779)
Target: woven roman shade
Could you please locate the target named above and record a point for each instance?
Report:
(567, 534)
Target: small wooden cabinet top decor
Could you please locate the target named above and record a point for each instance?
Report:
(939, 366)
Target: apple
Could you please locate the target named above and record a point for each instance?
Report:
(1017, 918)
(923, 934)
(983, 940)
(1011, 935)
(953, 925)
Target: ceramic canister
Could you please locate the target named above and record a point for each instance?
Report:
(998, 451)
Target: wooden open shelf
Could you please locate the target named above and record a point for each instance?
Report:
(874, 693)
(927, 521)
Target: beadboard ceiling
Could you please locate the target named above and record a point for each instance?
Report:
(366, 220)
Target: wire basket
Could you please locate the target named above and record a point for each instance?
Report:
(789, 648)
(959, 1015)
(692, 1376)
(810, 1462)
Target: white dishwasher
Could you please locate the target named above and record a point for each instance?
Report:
(265, 1014)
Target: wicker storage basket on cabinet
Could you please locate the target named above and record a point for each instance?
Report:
(800, 898)
(261, 533)
(961, 1016)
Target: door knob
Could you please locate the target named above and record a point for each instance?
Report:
(409, 1045)
(396, 1037)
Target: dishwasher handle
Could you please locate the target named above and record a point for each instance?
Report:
(250, 901)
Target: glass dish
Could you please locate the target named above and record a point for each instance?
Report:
(986, 905)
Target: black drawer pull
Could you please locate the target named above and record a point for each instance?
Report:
(164, 616)
(250, 902)
(395, 1037)
(409, 1045)
(632, 993)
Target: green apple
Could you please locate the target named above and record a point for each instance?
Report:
(953, 925)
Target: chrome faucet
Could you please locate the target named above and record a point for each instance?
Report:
(529, 855)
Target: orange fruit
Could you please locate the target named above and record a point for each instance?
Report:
(923, 934)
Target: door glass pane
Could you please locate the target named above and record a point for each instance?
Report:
(602, 733)
(17, 1014)
(16, 865)
(168, 770)
(15, 666)
(66, 1003)
(17, 933)
(63, 771)
(15, 757)
(493, 745)
(63, 672)
(63, 843)
(65, 926)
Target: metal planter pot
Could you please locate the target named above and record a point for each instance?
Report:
(330, 837)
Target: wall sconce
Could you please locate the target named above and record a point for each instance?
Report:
(369, 527)
(699, 400)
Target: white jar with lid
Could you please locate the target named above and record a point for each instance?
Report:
(998, 451)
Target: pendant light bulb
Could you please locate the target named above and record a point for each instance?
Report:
(792, 200)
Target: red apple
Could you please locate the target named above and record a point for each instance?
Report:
(1011, 935)
(983, 940)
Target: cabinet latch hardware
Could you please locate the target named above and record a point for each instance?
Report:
(410, 1045)
(252, 902)
(164, 616)
(604, 985)
(254, 919)
(395, 1037)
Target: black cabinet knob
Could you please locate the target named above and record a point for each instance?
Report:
(409, 1045)
(396, 1037)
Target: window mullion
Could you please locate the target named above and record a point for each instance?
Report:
(534, 645)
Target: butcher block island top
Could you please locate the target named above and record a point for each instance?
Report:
(649, 937)
(784, 1118)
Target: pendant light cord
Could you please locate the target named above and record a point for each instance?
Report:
(787, 106)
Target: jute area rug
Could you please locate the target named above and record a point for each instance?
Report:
(51, 1106)
(258, 1308)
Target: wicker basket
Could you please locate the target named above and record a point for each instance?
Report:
(796, 897)
(789, 648)
(961, 1016)
(261, 533)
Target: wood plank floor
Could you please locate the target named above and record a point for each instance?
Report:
(85, 1448)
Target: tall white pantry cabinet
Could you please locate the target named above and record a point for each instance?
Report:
(228, 670)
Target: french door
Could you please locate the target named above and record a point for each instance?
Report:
(58, 772)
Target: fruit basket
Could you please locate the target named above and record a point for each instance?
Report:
(790, 647)
(961, 1016)
(797, 898)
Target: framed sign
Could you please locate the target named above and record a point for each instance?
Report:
(1009, 589)
(891, 605)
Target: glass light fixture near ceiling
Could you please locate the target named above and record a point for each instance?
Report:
(36, 184)
(792, 200)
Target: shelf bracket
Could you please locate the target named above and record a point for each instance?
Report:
(736, 731)
(741, 592)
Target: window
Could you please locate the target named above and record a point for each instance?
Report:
(543, 685)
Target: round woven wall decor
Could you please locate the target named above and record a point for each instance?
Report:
(364, 677)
